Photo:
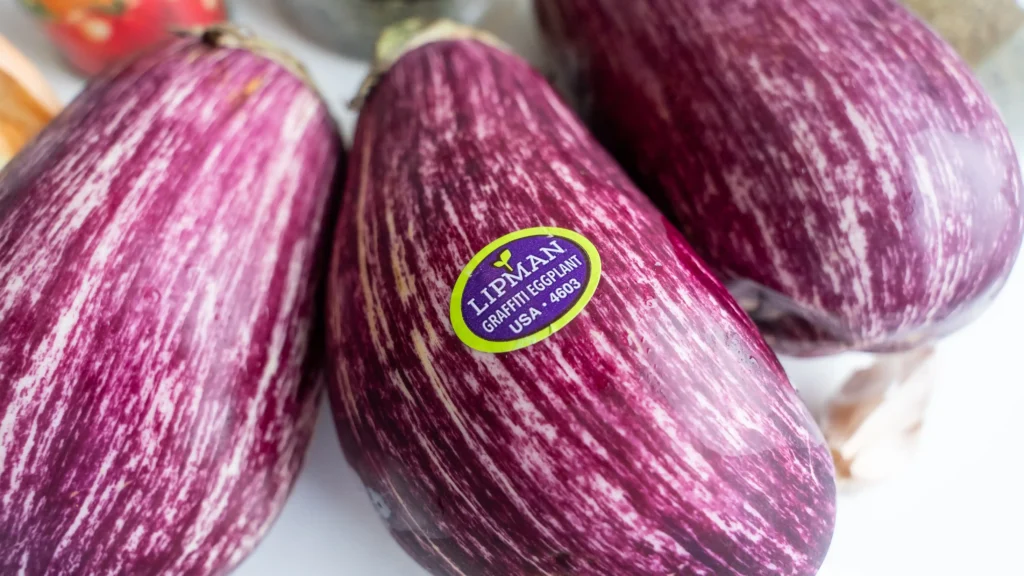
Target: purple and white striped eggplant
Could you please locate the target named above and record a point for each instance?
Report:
(533, 372)
(834, 161)
(160, 247)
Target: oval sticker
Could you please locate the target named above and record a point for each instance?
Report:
(524, 287)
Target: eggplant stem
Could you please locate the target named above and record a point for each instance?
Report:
(410, 34)
(226, 35)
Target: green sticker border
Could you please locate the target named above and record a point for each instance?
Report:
(475, 342)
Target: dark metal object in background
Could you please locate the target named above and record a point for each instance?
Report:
(352, 26)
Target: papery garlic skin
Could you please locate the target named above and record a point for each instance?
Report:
(872, 425)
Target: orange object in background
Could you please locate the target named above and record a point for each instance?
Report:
(92, 34)
(27, 103)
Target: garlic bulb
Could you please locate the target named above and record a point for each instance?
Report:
(873, 424)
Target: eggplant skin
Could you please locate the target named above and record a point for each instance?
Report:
(161, 244)
(655, 433)
(835, 162)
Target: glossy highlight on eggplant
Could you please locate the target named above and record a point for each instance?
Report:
(161, 244)
(654, 433)
(835, 162)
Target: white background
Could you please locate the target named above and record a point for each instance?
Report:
(957, 509)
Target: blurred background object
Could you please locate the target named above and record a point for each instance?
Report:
(352, 26)
(873, 424)
(27, 103)
(976, 28)
(92, 34)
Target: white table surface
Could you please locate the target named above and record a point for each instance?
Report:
(957, 509)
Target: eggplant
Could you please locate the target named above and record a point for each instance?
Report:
(532, 372)
(161, 247)
(835, 162)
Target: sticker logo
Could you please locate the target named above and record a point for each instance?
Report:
(524, 287)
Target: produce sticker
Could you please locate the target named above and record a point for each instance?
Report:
(524, 287)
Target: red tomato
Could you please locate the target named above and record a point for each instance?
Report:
(93, 38)
(198, 12)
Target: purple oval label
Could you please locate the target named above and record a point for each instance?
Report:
(524, 287)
